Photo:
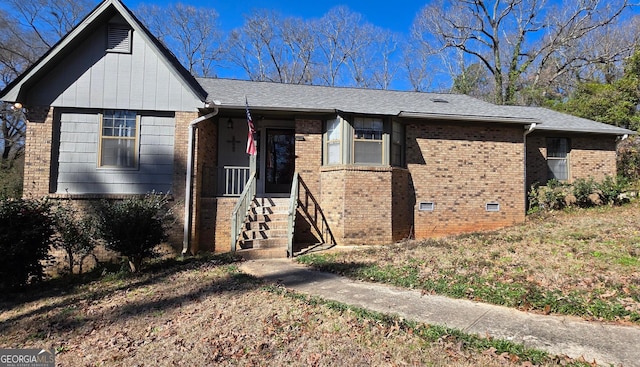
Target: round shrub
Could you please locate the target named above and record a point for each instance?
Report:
(133, 227)
(26, 229)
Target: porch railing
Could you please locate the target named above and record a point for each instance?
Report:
(241, 209)
(235, 179)
(293, 210)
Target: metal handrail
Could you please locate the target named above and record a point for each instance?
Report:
(241, 209)
(293, 209)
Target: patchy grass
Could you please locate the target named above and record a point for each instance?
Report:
(205, 312)
(582, 262)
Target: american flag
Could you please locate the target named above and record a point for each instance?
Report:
(251, 142)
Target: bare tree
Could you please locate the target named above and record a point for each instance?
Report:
(49, 20)
(514, 39)
(342, 39)
(191, 33)
(28, 30)
(269, 47)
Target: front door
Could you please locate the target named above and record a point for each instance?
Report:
(279, 160)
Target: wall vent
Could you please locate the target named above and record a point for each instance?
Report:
(118, 38)
(493, 207)
(426, 206)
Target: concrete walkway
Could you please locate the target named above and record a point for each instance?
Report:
(558, 335)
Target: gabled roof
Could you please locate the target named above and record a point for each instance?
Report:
(441, 106)
(102, 13)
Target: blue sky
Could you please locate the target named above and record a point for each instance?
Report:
(394, 16)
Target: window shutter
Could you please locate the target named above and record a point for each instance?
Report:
(118, 39)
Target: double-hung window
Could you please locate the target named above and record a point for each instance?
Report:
(558, 158)
(118, 139)
(367, 140)
(333, 139)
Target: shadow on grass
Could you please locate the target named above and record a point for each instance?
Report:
(106, 284)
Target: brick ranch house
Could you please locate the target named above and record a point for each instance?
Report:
(112, 113)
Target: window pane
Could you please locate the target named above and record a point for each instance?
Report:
(368, 128)
(118, 139)
(558, 169)
(118, 152)
(333, 153)
(557, 147)
(367, 152)
(333, 129)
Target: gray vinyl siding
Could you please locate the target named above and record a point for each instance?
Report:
(78, 171)
(91, 77)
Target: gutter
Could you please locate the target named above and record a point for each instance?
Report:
(529, 130)
(188, 204)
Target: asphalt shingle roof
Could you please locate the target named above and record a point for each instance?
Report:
(294, 97)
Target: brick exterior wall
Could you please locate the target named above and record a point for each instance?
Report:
(180, 150)
(38, 144)
(309, 153)
(358, 203)
(205, 173)
(590, 156)
(593, 157)
(536, 160)
(222, 233)
(461, 169)
(402, 203)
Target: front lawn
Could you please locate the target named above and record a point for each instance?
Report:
(583, 262)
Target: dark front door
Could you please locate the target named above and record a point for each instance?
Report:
(279, 160)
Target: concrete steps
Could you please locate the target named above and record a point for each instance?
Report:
(265, 232)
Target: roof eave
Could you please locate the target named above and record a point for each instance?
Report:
(475, 118)
(618, 132)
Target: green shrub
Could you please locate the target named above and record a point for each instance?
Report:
(611, 189)
(583, 192)
(133, 227)
(552, 196)
(628, 160)
(26, 229)
(75, 234)
(582, 188)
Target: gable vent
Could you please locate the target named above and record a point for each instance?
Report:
(118, 38)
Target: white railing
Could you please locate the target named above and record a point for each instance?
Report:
(235, 179)
(241, 209)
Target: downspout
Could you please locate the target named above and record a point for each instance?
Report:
(188, 205)
(529, 130)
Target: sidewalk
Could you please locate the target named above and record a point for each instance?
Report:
(558, 335)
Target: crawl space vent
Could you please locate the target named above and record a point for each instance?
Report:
(426, 206)
(493, 207)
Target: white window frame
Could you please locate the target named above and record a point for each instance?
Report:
(108, 131)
